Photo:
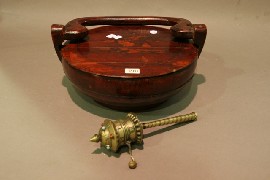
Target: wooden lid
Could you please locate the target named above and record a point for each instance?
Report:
(130, 52)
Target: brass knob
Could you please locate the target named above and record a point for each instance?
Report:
(132, 164)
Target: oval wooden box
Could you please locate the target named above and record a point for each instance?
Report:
(129, 64)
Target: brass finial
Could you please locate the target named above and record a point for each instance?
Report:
(95, 138)
(114, 134)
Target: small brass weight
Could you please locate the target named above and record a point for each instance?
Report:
(114, 134)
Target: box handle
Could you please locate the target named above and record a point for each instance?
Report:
(76, 30)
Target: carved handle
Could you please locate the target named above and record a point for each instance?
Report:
(75, 29)
(177, 119)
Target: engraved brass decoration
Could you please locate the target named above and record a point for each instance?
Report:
(114, 134)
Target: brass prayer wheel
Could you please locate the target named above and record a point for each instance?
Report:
(116, 133)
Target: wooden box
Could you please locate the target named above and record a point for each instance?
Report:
(129, 63)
